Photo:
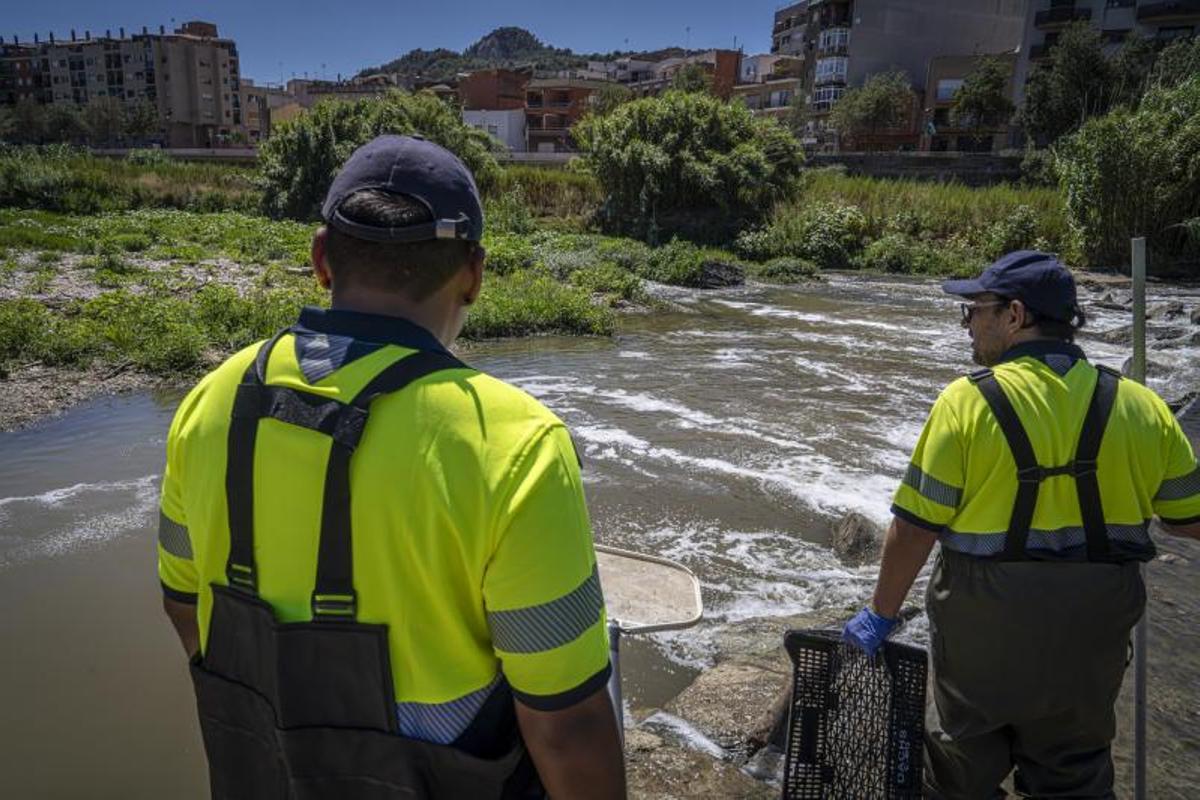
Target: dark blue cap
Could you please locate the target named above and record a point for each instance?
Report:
(417, 169)
(1039, 280)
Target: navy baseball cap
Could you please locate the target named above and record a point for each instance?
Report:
(1039, 280)
(417, 169)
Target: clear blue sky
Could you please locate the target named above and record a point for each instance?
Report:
(278, 38)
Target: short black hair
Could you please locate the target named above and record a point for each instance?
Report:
(1050, 327)
(417, 269)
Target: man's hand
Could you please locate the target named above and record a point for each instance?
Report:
(867, 631)
(577, 751)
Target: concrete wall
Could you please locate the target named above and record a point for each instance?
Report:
(507, 126)
(905, 34)
(972, 169)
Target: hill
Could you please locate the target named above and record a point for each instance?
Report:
(503, 47)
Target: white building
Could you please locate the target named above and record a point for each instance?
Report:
(507, 126)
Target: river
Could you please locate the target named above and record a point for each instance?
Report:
(728, 432)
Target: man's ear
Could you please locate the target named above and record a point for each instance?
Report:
(320, 263)
(474, 269)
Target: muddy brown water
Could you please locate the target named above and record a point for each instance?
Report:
(727, 433)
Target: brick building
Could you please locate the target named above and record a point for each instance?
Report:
(493, 89)
(552, 107)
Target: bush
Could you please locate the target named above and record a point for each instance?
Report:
(148, 157)
(1017, 231)
(900, 253)
(687, 163)
(1037, 168)
(532, 301)
(298, 162)
(828, 234)
(1137, 173)
(784, 270)
(507, 252)
(611, 281)
(508, 212)
(546, 192)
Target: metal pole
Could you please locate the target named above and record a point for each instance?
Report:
(1138, 373)
(614, 679)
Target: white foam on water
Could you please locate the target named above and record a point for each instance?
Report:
(689, 735)
(761, 310)
(57, 497)
(88, 531)
(636, 354)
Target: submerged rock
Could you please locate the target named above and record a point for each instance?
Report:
(731, 703)
(857, 539)
(1168, 310)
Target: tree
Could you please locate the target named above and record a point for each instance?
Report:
(29, 122)
(141, 120)
(609, 96)
(687, 163)
(1136, 172)
(65, 123)
(692, 78)
(1073, 85)
(982, 102)
(1178, 61)
(104, 118)
(298, 162)
(880, 103)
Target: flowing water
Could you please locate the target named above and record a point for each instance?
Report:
(728, 433)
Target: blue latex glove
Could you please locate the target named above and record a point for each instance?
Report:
(867, 631)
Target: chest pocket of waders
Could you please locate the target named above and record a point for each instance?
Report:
(307, 710)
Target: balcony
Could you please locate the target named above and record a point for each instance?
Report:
(1058, 17)
(833, 79)
(1171, 11)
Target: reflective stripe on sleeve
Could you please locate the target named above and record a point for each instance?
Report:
(174, 537)
(1180, 488)
(535, 629)
(931, 488)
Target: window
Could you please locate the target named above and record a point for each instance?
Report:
(779, 98)
(494, 130)
(947, 88)
(831, 69)
(833, 39)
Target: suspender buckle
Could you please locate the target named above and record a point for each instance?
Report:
(334, 607)
(1035, 474)
(1084, 467)
(242, 578)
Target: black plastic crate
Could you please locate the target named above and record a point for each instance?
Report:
(857, 725)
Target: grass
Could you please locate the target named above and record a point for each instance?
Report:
(61, 178)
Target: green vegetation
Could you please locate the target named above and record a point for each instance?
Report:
(982, 101)
(302, 156)
(1137, 173)
(880, 103)
(687, 164)
(61, 178)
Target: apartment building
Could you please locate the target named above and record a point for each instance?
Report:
(943, 130)
(1161, 21)
(493, 89)
(844, 42)
(722, 66)
(190, 77)
(552, 107)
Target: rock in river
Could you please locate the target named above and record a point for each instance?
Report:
(856, 539)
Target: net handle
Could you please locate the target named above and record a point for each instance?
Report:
(661, 626)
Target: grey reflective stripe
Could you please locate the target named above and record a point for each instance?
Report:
(931, 488)
(320, 354)
(1180, 488)
(989, 544)
(544, 627)
(443, 722)
(174, 537)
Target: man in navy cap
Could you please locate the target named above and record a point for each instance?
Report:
(378, 558)
(1040, 475)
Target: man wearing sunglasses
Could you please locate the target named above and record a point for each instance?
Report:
(1039, 474)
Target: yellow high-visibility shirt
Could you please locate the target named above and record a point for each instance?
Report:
(962, 479)
(471, 537)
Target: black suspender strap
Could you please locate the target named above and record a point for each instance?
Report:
(1029, 474)
(334, 596)
(1087, 486)
(239, 471)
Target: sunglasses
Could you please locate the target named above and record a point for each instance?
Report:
(969, 309)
